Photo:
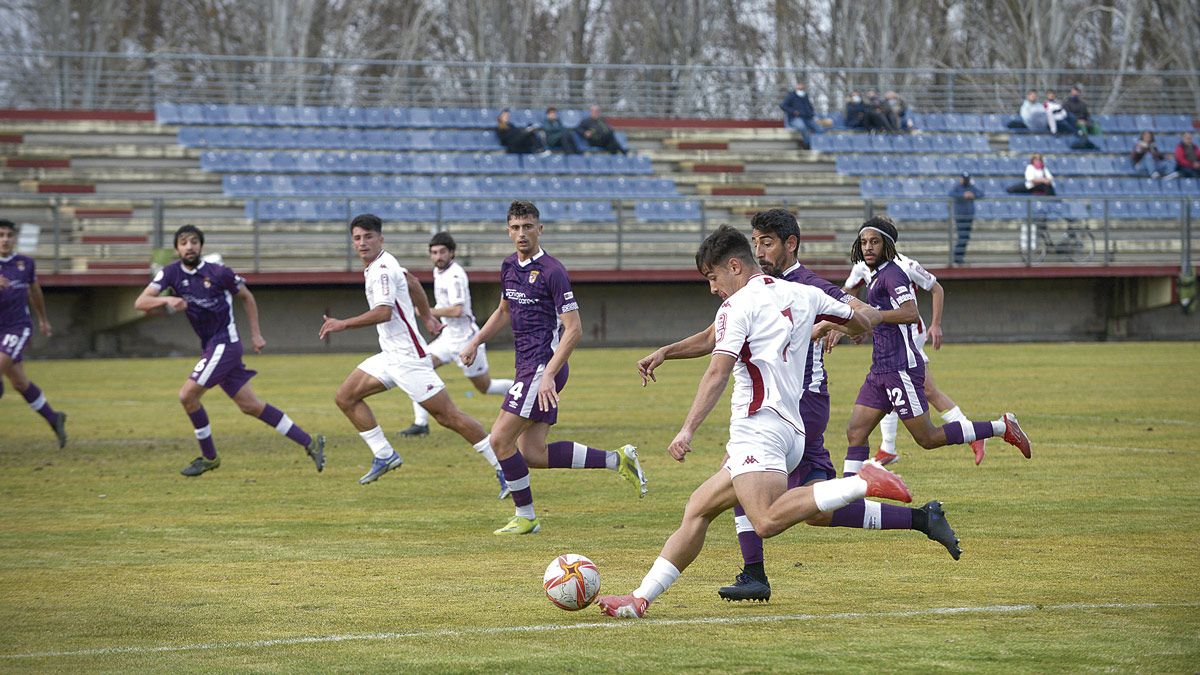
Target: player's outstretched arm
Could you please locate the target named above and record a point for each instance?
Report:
(499, 319)
(37, 303)
(421, 305)
(150, 301)
(251, 305)
(377, 314)
(906, 313)
(935, 324)
(712, 385)
(688, 348)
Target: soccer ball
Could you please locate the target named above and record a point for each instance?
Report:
(571, 581)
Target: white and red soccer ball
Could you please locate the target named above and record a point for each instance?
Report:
(571, 581)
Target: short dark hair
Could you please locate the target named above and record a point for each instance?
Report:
(521, 208)
(8, 225)
(883, 224)
(367, 221)
(724, 243)
(189, 229)
(779, 222)
(443, 239)
(551, 109)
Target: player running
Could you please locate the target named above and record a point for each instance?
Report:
(396, 299)
(764, 329)
(19, 293)
(536, 298)
(897, 377)
(205, 291)
(919, 277)
(776, 239)
(453, 295)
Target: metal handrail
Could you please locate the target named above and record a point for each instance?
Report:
(74, 79)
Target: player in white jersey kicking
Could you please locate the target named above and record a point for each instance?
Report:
(404, 358)
(453, 296)
(764, 327)
(920, 277)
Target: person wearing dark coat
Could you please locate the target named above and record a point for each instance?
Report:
(559, 137)
(800, 115)
(964, 193)
(522, 141)
(598, 133)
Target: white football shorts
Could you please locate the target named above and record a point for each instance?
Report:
(446, 350)
(763, 442)
(415, 376)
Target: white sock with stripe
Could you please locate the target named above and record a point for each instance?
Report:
(420, 415)
(484, 448)
(887, 428)
(660, 577)
(832, 495)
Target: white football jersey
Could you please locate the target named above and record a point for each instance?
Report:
(918, 275)
(450, 288)
(387, 284)
(767, 326)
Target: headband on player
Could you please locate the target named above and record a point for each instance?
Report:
(885, 234)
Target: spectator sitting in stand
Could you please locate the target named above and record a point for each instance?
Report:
(519, 141)
(598, 133)
(800, 115)
(1187, 157)
(1147, 158)
(1038, 179)
(1075, 105)
(559, 137)
(856, 112)
(879, 114)
(900, 110)
(1058, 118)
(1033, 114)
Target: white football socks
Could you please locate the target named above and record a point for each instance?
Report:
(832, 495)
(887, 427)
(377, 442)
(499, 386)
(420, 415)
(484, 448)
(660, 577)
(954, 414)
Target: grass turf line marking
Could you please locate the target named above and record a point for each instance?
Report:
(611, 623)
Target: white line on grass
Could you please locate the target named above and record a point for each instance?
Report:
(614, 623)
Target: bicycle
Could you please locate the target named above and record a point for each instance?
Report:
(1077, 244)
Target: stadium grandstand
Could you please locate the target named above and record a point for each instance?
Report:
(98, 186)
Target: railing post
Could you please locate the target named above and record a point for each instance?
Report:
(160, 236)
(57, 209)
(1107, 228)
(1185, 261)
(349, 244)
(950, 93)
(950, 233)
(1031, 235)
(620, 234)
(257, 237)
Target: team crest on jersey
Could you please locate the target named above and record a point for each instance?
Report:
(207, 283)
(20, 265)
(533, 275)
(721, 318)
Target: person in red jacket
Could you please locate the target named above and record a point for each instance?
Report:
(1187, 157)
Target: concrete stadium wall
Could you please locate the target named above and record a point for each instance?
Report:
(100, 321)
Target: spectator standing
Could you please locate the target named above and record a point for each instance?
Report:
(856, 112)
(1075, 105)
(1033, 113)
(964, 194)
(598, 133)
(1147, 158)
(1187, 157)
(559, 137)
(520, 141)
(899, 110)
(800, 114)
(1058, 118)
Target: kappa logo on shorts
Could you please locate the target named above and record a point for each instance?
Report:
(750, 460)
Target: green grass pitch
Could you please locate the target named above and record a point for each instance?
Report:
(1081, 559)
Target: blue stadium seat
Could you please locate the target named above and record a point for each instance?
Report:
(1189, 186)
(422, 186)
(420, 117)
(375, 118)
(397, 117)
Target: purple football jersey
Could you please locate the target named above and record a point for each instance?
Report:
(816, 378)
(14, 300)
(209, 291)
(537, 292)
(895, 346)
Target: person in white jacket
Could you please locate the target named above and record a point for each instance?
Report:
(1033, 113)
(1038, 179)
